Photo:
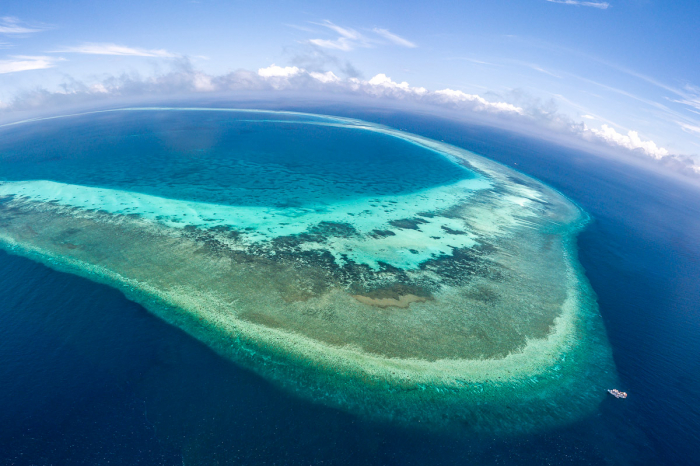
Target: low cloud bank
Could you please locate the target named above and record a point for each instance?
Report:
(184, 79)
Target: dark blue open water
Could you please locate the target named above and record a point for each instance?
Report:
(87, 377)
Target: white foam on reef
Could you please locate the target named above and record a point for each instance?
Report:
(549, 379)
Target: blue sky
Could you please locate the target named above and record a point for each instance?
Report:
(615, 66)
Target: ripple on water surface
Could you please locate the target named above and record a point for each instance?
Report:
(362, 267)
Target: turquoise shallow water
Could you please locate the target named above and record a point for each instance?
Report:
(364, 268)
(264, 174)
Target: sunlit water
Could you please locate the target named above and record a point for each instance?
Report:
(439, 330)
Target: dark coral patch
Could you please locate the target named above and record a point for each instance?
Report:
(451, 231)
(382, 233)
(407, 223)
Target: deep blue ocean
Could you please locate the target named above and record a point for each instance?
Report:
(88, 377)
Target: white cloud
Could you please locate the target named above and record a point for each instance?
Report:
(202, 82)
(394, 38)
(690, 97)
(99, 88)
(588, 117)
(694, 102)
(9, 25)
(327, 77)
(383, 86)
(349, 38)
(278, 71)
(26, 63)
(344, 32)
(599, 5)
(340, 44)
(689, 128)
(114, 49)
(630, 141)
(542, 70)
(472, 60)
(279, 77)
(300, 28)
(385, 81)
(459, 96)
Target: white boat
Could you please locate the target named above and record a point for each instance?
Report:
(617, 393)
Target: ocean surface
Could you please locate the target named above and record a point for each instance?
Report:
(88, 377)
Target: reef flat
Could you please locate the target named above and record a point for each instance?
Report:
(455, 302)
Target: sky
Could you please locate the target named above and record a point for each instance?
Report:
(623, 73)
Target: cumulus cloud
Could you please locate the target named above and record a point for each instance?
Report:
(599, 5)
(459, 96)
(114, 49)
(327, 77)
(630, 141)
(278, 71)
(382, 81)
(26, 62)
(394, 38)
(278, 77)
